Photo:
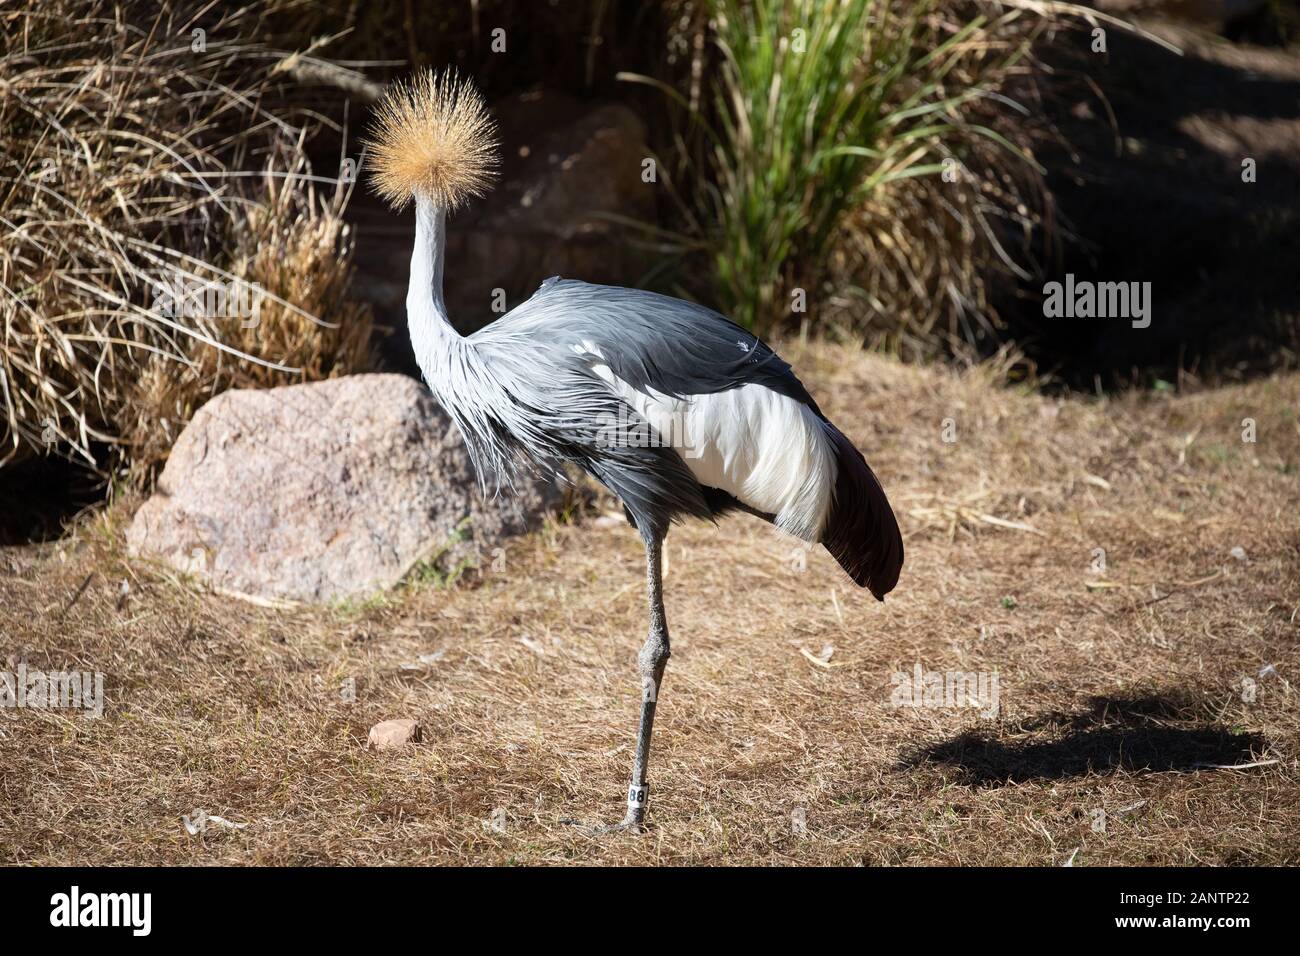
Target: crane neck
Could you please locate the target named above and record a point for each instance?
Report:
(432, 333)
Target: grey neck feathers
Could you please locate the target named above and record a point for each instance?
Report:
(432, 335)
(452, 367)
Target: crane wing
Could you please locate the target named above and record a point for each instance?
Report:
(736, 415)
(675, 347)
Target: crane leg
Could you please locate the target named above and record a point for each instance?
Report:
(651, 663)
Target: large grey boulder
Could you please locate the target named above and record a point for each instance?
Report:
(323, 491)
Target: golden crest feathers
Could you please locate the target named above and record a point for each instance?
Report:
(432, 135)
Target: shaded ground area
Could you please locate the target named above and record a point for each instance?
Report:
(41, 495)
(1169, 731)
(1125, 698)
(1151, 185)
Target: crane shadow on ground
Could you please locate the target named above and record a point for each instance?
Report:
(1150, 733)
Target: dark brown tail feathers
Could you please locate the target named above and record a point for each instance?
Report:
(861, 531)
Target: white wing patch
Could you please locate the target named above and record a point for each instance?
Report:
(767, 450)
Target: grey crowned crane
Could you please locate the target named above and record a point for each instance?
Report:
(581, 374)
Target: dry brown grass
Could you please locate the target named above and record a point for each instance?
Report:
(1112, 698)
(132, 161)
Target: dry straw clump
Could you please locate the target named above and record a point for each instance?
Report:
(163, 235)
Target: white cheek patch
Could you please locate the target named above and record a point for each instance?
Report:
(767, 450)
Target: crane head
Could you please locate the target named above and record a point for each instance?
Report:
(432, 136)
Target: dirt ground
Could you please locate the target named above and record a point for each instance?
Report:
(1128, 699)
